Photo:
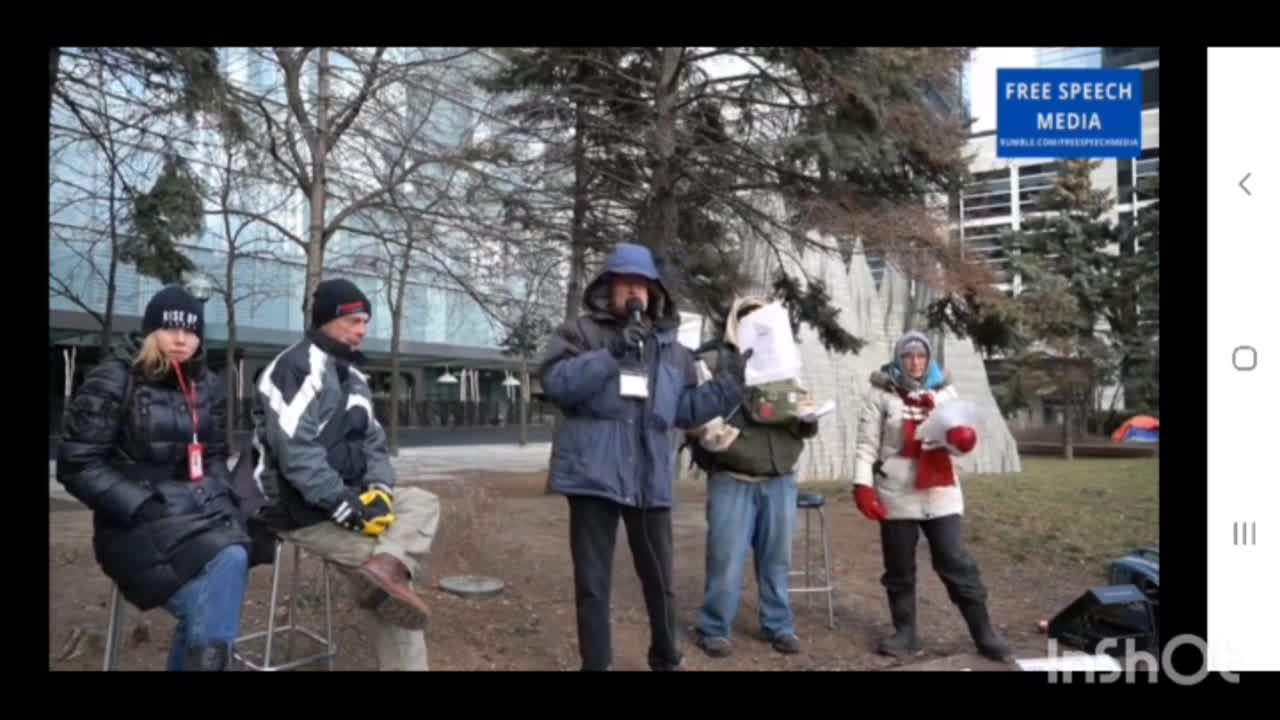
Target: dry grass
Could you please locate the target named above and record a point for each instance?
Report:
(1087, 511)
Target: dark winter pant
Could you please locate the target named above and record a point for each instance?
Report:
(951, 559)
(593, 529)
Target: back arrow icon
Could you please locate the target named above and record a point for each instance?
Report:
(1242, 182)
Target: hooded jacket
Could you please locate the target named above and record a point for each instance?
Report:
(610, 446)
(124, 443)
(881, 435)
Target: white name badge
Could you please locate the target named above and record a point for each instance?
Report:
(633, 385)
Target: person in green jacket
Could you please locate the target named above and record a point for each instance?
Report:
(751, 502)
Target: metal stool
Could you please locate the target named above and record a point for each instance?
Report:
(111, 649)
(810, 502)
(328, 642)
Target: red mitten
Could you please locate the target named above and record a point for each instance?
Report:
(865, 497)
(962, 438)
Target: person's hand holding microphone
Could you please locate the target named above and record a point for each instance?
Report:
(633, 333)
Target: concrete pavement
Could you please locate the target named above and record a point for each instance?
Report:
(426, 464)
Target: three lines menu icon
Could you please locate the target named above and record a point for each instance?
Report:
(1243, 533)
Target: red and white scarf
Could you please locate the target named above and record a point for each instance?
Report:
(933, 467)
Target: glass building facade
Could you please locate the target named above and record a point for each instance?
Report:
(444, 328)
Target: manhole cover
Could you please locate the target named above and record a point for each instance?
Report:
(471, 585)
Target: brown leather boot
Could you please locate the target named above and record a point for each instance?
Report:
(383, 585)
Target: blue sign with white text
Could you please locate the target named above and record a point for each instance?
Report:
(1069, 113)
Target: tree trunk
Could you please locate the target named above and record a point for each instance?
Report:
(662, 222)
(524, 403)
(577, 255)
(233, 393)
(233, 390)
(1068, 442)
(578, 230)
(556, 419)
(397, 313)
(108, 312)
(233, 378)
(393, 438)
(319, 193)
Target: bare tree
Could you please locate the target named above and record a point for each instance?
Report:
(326, 135)
(90, 158)
(235, 186)
(119, 177)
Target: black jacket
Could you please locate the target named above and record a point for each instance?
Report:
(124, 443)
(315, 436)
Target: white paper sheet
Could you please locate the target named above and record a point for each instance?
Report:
(826, 409)
(933, 431)
(767, 332)
(690, 332)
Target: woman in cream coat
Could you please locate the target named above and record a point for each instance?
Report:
(909, 487)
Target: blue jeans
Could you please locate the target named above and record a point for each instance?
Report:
(208, 606)
(761, 515)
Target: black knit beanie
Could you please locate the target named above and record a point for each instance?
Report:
(174, 307)
(336, 298)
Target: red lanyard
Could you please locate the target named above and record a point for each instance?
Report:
(189, 394)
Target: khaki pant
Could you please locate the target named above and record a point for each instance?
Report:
(409, 540)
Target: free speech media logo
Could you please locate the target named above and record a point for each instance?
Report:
(1069, 113)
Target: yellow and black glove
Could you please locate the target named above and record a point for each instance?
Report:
(349, 512)
(377, 510)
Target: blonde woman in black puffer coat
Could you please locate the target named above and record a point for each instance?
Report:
(144, 447)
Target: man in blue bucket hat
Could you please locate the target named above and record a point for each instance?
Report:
(625, 387)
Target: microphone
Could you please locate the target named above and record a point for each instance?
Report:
(635, 310)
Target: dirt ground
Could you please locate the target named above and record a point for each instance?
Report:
(504, 526)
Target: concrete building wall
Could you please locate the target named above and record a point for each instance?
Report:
(877, 317)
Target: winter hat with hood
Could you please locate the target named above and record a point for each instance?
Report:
(632, 259)
(894, 373)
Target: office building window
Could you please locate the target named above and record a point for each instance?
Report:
(1124, 181)
(1146, 171)
(985, 245)
(1113, 57)
(986, 206)
(1151, 88)
(988, 195)
(1033, 181)
(1069, 57)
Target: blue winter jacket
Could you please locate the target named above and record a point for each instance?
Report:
(624, 449)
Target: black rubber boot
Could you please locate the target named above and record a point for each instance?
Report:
(208, 658)
(904, 641)
(989, 642)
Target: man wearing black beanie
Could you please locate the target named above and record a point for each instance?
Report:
(337, 298)
(322, 459)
